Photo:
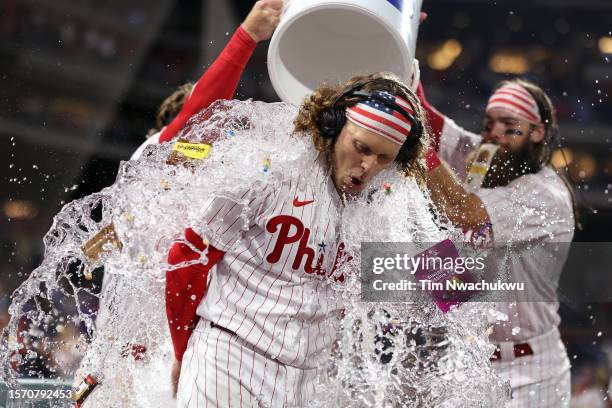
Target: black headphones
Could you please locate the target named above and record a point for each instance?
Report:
(331, 121)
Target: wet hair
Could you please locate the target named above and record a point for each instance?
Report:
(409, 159)
(170, 107)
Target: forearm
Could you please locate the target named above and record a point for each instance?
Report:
(462, 208)
(218, 82)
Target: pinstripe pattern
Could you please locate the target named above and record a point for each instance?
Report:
(539, 380)
(270, 292)
(260, 301)
(220, 379)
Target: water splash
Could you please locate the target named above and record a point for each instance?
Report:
(389, 354)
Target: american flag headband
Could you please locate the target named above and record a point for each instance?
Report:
(387, 115)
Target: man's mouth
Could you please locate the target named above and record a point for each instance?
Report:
(353, 182)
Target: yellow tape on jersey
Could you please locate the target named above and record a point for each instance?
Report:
(193, 150)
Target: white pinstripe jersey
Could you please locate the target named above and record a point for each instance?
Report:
(270, 288)
(532, 207)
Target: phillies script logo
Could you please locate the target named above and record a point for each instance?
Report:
(284, 224)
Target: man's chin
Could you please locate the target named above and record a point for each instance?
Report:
(505, 167)
(352, 191)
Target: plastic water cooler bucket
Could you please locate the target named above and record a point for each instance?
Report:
(323, 40)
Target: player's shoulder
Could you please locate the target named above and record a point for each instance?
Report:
(547, 188)
(546, 181)
(153, 139)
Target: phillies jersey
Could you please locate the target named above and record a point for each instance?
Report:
(273, 288)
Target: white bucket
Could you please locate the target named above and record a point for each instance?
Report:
(334, 40)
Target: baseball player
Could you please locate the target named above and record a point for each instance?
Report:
(522, 200)
(269, 315)
(219, 82)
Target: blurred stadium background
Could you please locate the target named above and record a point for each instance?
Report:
(80, 82)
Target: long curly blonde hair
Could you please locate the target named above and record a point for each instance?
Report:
(410, 160)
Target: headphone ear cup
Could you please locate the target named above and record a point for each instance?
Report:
(413, 139)
(330, 122)
(417, 133)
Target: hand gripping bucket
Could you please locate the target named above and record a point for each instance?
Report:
(323, 40)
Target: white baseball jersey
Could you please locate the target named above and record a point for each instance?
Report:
(222, 370)
(153, 139)
(271, 287)
(533, 207)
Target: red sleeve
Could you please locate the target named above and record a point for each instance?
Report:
(218, 82)
(434, 118)
(185, 288)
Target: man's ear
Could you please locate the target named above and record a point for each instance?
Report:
(537, 134)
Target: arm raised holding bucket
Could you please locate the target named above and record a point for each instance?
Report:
(221, 79)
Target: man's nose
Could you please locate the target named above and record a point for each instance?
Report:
(368, 163)
(495, 133)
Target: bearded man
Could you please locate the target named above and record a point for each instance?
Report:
(521, 200)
